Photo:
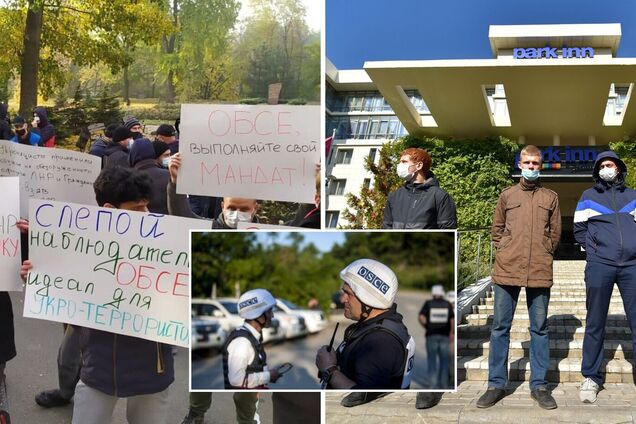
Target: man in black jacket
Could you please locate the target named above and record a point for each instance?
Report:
(420, 202)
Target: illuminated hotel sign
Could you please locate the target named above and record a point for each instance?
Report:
(552, 52)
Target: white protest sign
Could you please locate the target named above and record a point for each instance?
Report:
(49, 174)
(10, 235)
(256, 152)
(110, 269)
(257, 226)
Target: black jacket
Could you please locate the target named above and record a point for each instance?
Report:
(160, 178)
(5, 124)
(423, 205)
(45, 129)
(115, 155)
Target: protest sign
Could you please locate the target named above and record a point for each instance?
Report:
(10, 235)
(49, 174)
(257, 152)
(110, 269)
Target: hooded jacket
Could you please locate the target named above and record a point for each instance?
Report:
(45, 129)
(526, 229)
(5, 125)
(604, 218)
(424, 205)
(142, 157)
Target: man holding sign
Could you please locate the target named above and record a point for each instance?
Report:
(115, 365)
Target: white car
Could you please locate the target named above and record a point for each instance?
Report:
(207, 334)
(291, 325)
(225, 311)
(314, 320)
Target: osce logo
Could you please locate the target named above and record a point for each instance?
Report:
(552, 52)
(374, 280)
(248, 302)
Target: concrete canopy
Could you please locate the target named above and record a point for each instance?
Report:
(546, 98)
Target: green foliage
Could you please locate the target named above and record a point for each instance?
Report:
(276, 212)
(297, 102)
(626, 150)
(166, 112)
(253, 101)
(298, 271)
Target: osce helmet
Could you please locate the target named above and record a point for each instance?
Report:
(374, 283)
(438, 290)
(254, 303)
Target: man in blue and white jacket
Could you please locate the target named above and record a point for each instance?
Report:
(605, 226)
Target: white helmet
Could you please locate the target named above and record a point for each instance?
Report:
(254, 303)
(438, 290)
(372, 282)
(451, 296)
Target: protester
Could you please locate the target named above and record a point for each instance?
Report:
(43, 128)
(604, 226)
(117, 366)
(23, 135)
(7, 350)
(134, 126)
(116, 153)
(377, 351)
(162, 153)
(142, 157)
(98, 148)
(420, 202)
(234, 209)
(5, 123)
(167, 134)
(246, 403)
(438, 319)
(526, 230)
(308, 215)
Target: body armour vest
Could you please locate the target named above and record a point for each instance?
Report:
(257, 365)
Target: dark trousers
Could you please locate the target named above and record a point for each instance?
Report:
(599, 284)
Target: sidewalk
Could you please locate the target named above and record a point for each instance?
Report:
(615, 404)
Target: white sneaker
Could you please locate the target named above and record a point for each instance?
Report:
(588, 392)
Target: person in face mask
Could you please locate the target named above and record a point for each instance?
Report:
(420, 202)
(116, 153)
(134, 126)
(162, 153)
(604, 226)
(526, 230)
(22, 133)
(233, 209)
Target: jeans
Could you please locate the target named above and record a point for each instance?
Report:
(599, 284)
(437, 361)
(505, 304)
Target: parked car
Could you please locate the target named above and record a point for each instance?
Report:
(314, 320)
(207, 334)
(292, 325)
(225, 310)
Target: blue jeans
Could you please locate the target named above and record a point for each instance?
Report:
(599, 284)
(505, 304)
(437, 361)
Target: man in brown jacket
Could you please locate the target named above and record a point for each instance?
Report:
(526, 229)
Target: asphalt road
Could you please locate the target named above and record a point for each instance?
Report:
(35, 369)
(207, 372)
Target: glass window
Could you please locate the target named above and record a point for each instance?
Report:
(361, 131)
(332, 219)
(337, 187)
(344, 156)
(366, 183)
(372, 153)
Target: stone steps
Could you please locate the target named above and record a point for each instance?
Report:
(557, 332)
(621, 349)
(576, 310)
(522, 320)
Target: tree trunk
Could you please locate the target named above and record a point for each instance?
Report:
(126, 87)
(29, 61)
(169, 48)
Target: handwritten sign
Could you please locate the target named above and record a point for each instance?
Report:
(10, 235)
(257, 226)
(110, 269)
(49, 174)
(256, 152)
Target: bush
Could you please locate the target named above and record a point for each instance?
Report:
(299, 101)
(166, 112)
(253, 101)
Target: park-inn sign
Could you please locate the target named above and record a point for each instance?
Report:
(552, 52)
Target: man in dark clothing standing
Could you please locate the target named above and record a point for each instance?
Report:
(420, 202)
(116, 153)
(168, 135)
(438, 318)
(98, 148)
(43, 128)
(604, 226)
(22, 133)
(142, 157)
(377, 351)
(5, 123)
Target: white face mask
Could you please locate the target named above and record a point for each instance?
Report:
(165, 162)
(403, 171)
(608, 174)
(232, 218)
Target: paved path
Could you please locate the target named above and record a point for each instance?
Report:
(615, 404)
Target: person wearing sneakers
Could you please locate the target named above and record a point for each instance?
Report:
(377, 351)
(604, 226)
(526, 230)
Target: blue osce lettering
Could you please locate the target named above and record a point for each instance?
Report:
(552, 52)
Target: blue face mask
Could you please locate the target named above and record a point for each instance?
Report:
(529, 174)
